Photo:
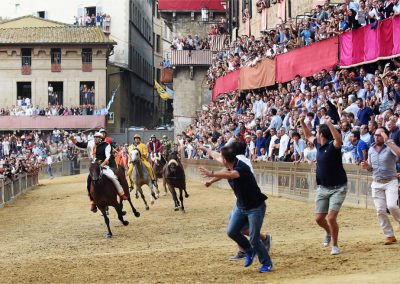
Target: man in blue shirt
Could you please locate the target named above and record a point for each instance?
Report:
(361, 150)
(249, 210)
(364, 114)
(261, 142)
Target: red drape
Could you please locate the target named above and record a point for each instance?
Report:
(189, 5)
(226, 84)
(307, 60)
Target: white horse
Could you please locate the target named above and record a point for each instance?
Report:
(141, 176)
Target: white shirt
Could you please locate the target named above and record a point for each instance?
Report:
(258, 108)
(353, 108)
(246, 161)
(49, 160)
(366, 138)
(283, 145)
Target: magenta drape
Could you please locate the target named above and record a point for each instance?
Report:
(307, 60)
(365, 45)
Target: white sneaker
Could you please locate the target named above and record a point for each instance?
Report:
(327, 240)
(335, 250)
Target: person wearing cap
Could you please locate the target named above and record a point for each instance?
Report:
(166, 147)
(102, 152)
(154, 146)
(143, 154)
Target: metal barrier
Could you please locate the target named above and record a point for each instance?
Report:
(293, 181)
(10, 189)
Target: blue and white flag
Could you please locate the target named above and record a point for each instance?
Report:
(112, 99)
(169, 92)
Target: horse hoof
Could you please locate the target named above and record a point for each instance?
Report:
(108, 236)
(126, 223)
(137, 214)
(186, 195)
(123, 213)
(176, 209)
(137, 196)
(147, 207)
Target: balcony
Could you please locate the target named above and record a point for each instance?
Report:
(55, 67)
(191, 57)
(87, 61)
(26, 65)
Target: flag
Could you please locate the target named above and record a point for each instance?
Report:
(170, 93)
(160, 90)
(112, 99)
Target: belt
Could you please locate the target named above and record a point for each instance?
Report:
(385, 180)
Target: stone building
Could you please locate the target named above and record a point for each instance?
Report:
(52, 63)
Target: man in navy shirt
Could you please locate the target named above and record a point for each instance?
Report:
(331, 179)
(261, 142)
(249, 210)
(364, 114)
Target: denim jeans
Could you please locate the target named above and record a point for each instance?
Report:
(254, 219)
(49, 170)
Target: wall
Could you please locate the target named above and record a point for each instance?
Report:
(9, 190)
(294, 182)
(71, 74)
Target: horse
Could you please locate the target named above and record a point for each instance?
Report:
(141, 176)
(174, 177)
(158, 163)
(104, 194)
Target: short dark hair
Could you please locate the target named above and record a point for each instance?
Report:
(228, 154)
(325, 131)
(296, 134)
(238, 147)
(384, 129)
(356, 134)
(273, 111)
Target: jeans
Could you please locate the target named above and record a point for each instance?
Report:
(254, 219)
(49, 171)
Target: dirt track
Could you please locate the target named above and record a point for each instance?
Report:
(49, 235)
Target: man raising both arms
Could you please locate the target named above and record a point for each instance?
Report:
(331, 179)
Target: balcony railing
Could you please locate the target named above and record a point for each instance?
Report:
(191, 57)
(55, 67)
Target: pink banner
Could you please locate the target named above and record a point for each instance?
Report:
(51, 122)
(226, 84)
(324, 55)
(366, 45)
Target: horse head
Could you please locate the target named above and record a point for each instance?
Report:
(135, 156)
(172, 165)
(95, 171)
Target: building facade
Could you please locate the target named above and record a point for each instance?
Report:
(130, 65)
(52, 63)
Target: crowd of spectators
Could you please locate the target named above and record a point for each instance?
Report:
(323, 22)
(100, 19)
(28, 151)
(190, 42)
(52, 110)
(358, 100)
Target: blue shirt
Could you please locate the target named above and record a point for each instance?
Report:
(364, 115)
(361, 145)
(261, 143)
(245, 187)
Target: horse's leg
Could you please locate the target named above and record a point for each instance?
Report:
(122, 206)
(181, 199)
(135, 212)
(106, 220)
(165, 186)
(142, 195)
(153, 195)
(186, 194)
(174, 197)
(118, 208)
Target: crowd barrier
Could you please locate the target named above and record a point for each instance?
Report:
(293, 181)
(10, 189)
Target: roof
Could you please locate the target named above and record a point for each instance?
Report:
(192, 5)
(59, 34)
(31, 21)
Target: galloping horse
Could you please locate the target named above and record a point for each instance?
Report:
(174, 177)
(141, 176)
(158, 163)
(104, 194)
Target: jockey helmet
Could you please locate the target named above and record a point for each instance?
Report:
(98, 134)
(153, 136)
(137, 136)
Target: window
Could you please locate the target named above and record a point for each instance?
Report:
(24, 91)
(26, 56)
(55, 92)
(87, 93)
(158, 43)
(41, 14)
(86, 56)
(55, 56)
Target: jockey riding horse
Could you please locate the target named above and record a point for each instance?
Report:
(143, 155)
(102, 152)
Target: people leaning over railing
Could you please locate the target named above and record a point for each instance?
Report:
(358, 100)
(52, 110)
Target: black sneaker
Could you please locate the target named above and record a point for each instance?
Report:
(267, 242)
(238, 256)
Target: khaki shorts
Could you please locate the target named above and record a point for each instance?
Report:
(329, 198)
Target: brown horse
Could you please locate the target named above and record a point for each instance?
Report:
(158, 169)
(104, 194)
(174, 177)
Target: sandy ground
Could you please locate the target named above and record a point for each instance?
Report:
(49, 235)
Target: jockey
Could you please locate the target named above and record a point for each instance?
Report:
(154, 146)
(143, 154)
(166, 146)
(102, 152)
